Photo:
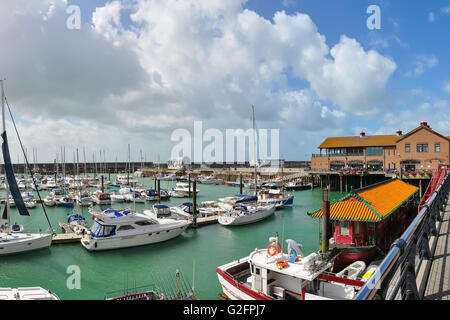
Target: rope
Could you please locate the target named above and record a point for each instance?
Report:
(28, 165)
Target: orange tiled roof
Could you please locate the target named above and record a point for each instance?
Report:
(374, 203)
(357, 141)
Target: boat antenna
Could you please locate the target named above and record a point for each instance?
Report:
(28, 165)
(254, 149)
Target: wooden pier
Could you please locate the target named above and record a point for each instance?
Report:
(438, 284)
(68, 237)
(206, 221)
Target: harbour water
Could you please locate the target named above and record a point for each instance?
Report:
(197, 252)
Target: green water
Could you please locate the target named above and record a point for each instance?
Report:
(197, 252)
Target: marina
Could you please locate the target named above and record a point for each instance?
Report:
(202, 150)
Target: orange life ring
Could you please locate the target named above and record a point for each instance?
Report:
(281, 264)
(274, 248)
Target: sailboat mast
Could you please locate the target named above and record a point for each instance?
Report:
(4, 130)
(254, 149)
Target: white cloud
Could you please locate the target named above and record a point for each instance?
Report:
(446, 87)
(421, 64)
(177, 62)
(445, 10)
(431, 17)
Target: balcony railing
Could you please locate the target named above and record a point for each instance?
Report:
(318, 155)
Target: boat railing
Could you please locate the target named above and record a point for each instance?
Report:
(403, 273)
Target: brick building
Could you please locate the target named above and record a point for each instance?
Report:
(419, 149)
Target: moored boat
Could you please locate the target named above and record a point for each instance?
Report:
(241, 214)
(114, 229)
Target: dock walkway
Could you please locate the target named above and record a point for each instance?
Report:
(438, 285)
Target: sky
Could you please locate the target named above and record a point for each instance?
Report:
(139, 72)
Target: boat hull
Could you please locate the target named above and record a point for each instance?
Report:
(246, 219)
(24, 242)
(347, 256)
(118, 242)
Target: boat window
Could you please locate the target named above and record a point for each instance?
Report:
(258, 271)
(144, 223)
(98, 230)
(344, 228)
(125, 227)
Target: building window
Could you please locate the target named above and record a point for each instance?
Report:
(374, 151)
(437, 147)
(422, 147)
(407, 148)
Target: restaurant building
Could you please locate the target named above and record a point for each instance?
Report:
(419, 149)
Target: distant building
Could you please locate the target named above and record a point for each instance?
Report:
(178, 163)
(420, 149)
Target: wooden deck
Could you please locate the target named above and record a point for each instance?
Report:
(206, 221)
(438, 285)
(68, 237)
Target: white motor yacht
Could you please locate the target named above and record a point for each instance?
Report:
(114, 229)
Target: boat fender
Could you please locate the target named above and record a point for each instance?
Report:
(273, 249)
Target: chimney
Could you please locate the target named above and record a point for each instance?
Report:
(362, 134)
(399, 132)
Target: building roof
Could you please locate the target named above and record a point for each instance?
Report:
(357, 141)
(424, 127)
(372, 204)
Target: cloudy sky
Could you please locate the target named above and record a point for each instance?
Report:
(137, 70)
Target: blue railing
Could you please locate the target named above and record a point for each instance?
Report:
(398, 274)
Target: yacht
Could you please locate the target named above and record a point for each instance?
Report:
(65, 201)
(27, 293)
(241, 214)
(114, 229)
(117, 197)
(182, 188)
(101, 198)
(84, 198)
(297, 185)
(51, 183)
(271, 274)
(275, 197)
(184, 210)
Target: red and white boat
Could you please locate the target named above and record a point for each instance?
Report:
(271, 274)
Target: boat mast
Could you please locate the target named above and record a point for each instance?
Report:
(254, 149)
(4, 131)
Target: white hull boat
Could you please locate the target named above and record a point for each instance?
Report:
(114, 229)
(27, 293)
(241, 215)
(23, 242)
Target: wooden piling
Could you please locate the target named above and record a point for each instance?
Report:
(194, 203)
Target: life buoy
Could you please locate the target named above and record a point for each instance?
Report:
(273, 249)
(281, 264)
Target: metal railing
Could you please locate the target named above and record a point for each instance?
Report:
(331, 155)
(397, 276)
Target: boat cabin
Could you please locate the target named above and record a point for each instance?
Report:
(161, 210)
(103, 196)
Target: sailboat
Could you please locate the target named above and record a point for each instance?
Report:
(16, 242)
(241, 214)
